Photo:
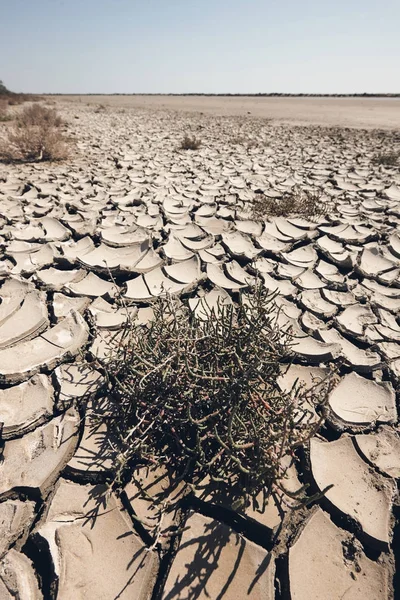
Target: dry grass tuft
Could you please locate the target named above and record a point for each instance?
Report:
(190, 143)
(35, 137)
(387, 159)
(298, 202)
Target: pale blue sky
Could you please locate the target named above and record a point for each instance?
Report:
(215, 46)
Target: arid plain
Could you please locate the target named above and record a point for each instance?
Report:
(368, 113)
(131, 215)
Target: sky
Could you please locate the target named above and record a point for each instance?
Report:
(206, 46)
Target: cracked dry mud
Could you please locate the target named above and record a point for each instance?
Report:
(131, 215)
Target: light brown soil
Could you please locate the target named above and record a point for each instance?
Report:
(361, 113)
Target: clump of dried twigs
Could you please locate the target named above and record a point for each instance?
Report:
(200, 398)
(296, 202)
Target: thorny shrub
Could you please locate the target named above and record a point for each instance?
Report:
(190, 143)
(200, 397)
(36, 136)
(296, 202)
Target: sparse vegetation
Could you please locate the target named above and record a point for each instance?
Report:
(16, 99)
(200, 398)
(13, 99)
(243, 141)
(4, 114)
(387, 159)
(190, 143)
(5, 95)
(37, 115)
(297, 202)
(238, 140)
(36, 136)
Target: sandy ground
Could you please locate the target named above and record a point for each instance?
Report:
(363, 113)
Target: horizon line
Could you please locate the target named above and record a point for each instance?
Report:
(229, 94)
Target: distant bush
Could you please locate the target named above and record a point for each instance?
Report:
(16, 99)
(4, 115)
(387, 159)
(296, 202)
(37, 115)
(36, 136)
(190, 143)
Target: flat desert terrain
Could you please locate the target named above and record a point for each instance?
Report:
(363, 113)
(302, 195)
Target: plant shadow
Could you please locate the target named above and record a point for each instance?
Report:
(214, 562)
